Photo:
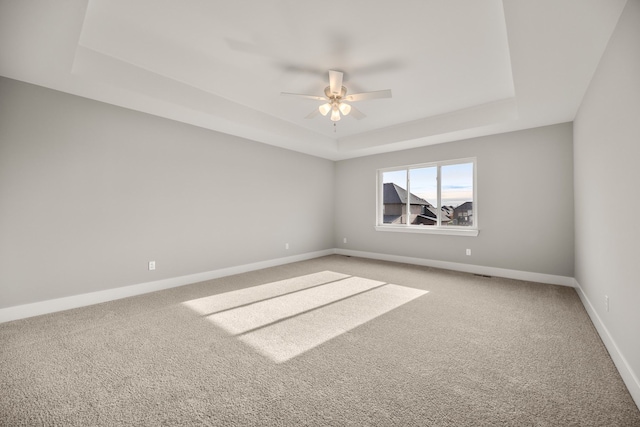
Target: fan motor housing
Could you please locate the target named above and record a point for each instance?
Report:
(328, 94)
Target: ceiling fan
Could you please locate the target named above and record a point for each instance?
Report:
(335, 97)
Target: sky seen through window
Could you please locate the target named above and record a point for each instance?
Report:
(457, 183)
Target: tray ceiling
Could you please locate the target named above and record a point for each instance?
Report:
(456, 69)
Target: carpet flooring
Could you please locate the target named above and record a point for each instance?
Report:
(334, 341)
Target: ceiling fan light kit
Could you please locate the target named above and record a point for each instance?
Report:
(344, 108)
(324, 109)
(335, 104)
(335, 96)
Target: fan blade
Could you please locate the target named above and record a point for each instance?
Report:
(368, 95)
(357, 114)
(335, 82)
(299, 95)
(293, 68)
(313, 114)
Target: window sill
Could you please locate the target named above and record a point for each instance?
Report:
(451, 231)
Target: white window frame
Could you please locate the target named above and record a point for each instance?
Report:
(453, 230)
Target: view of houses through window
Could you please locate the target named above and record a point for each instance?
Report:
(435, 194)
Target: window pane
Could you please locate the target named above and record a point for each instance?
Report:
(457, 194)
(423, 185)
(394, 208)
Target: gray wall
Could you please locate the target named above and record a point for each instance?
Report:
(525, 203)
(89, 193)
(607, 187)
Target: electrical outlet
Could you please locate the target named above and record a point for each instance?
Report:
(286, 246)
(606, 301)
(152, 265)
(344, 240)
(468, 252)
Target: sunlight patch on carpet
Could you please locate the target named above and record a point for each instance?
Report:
(249, 317)
(228, 300)
(284, 319)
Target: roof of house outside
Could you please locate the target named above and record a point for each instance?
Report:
(393, 194)
(388, 219)
(465, 206)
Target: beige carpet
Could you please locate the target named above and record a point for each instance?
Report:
(332, 341)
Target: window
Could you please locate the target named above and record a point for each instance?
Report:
(435, 197)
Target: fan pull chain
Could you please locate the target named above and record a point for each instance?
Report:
(334, 127)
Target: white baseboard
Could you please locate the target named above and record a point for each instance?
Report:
(59, 304)
(75, 301)
(626, 372)
(466, 268)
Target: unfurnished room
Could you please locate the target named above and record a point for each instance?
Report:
(338, 213)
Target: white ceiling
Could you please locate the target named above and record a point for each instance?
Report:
(457, 69)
